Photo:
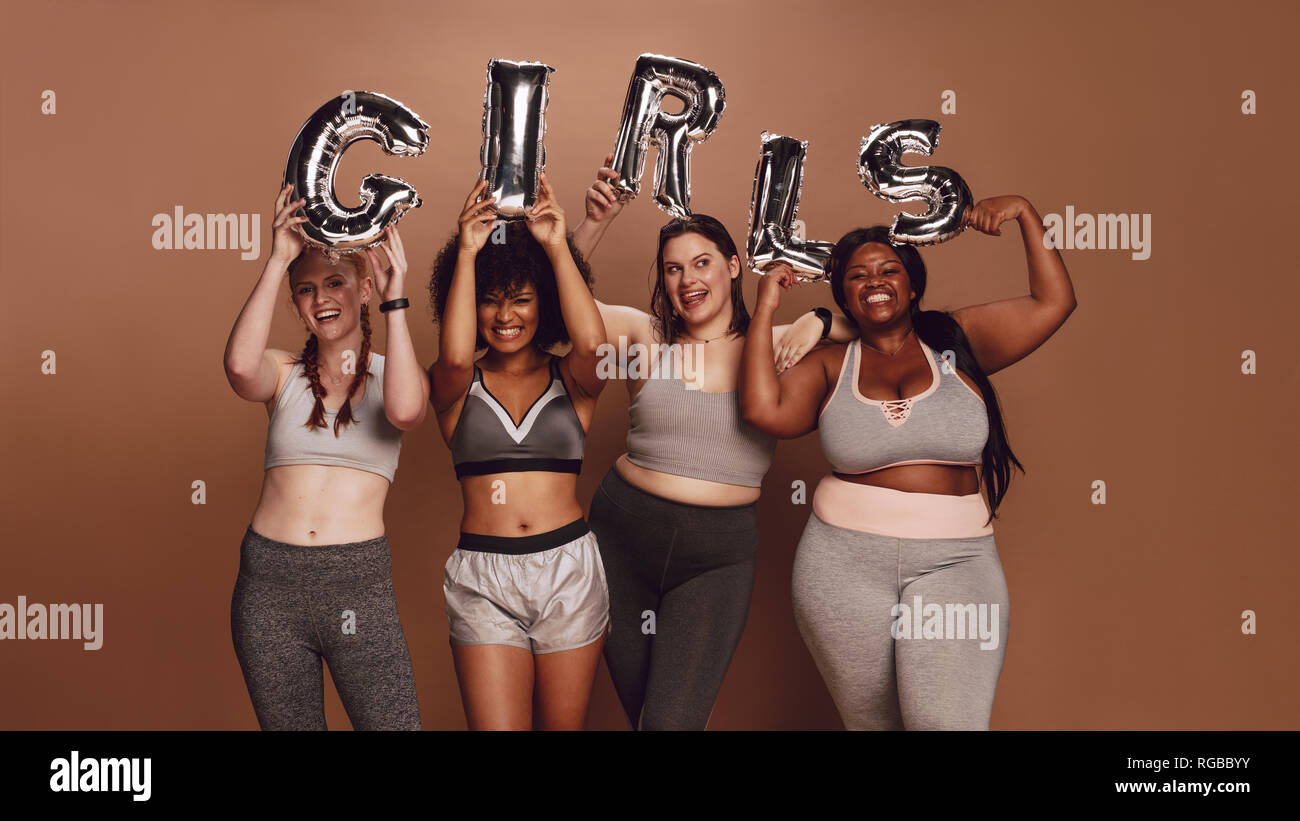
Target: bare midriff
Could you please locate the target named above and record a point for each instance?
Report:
(949, 480)
(685, 489)
(519, 504)
(320, 505)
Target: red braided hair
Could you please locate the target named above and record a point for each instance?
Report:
(308, 357)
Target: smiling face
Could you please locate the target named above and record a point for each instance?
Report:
(877, 289)
(508, 320)
(697, 278)
(328, 295)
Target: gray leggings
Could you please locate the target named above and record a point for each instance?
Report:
(855, 591)
(294, 605)
(680, 579)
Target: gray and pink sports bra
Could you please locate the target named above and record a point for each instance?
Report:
(946, 424)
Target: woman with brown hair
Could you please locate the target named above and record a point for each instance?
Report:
(315, 576)
(676, 516)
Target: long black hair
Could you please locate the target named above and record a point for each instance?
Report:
(667, 322)
(942, 333)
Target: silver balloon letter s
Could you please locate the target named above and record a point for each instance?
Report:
(514, 130)
(778, 182)
(674, 135)
(880, 166)
(352, 116)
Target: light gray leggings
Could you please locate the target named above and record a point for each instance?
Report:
(942, 670)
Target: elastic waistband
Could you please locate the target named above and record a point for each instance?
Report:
(330, 565)
(661, 512)
(517, 545)
(898, 513)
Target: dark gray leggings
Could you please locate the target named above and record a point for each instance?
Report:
(687, 572)
(294, 605)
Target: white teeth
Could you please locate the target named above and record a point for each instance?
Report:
(507, 331)
(879, 298)
(323, 315)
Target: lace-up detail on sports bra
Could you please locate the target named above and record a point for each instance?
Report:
(946, 424)
(896, 411)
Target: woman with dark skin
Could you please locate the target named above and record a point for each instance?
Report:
(526, 594)
(905, 434)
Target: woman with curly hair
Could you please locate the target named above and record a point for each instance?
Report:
(315, 574)
(527, 603)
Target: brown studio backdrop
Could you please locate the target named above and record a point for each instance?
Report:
(1123, 616)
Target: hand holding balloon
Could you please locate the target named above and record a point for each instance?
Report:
(315, 155)
(777, 277)
(286, 242)
(987, 215)
(476, 219)
(390, 279)
(602, 200)
(545, 218)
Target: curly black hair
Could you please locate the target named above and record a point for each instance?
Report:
(507, 267)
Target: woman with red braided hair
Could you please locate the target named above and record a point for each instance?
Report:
(315, 574)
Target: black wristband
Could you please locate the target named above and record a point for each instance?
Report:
(824, 314)
(400, 302)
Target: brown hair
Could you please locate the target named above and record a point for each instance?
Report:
(309, 352)
(667, 322)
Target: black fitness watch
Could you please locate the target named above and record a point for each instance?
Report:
(402, 302)
(824, 314)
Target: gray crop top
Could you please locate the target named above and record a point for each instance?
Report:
(370, 442)
(946, 424)
(696, 434)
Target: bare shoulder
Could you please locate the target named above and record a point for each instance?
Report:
(830, 356)
(283, 362)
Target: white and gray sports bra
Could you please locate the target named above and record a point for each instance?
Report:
(946, 424)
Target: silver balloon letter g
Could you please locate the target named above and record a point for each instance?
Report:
(352, 116)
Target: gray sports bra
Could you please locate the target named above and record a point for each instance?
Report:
(369, 443)
(945, 424)
(487, 440)
(691, 433)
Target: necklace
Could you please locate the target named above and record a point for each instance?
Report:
(896, 350)
(705, 341)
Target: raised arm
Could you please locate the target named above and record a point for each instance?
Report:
(784, 406)
(578, 307)
(406, 385)
(602, 206)
(251, 368)
(453, 372)
(1004, 332)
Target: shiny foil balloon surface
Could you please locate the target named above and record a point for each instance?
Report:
(881, 169)
(778, 183)
(352, 116)
(674, 135)
(514, 131)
